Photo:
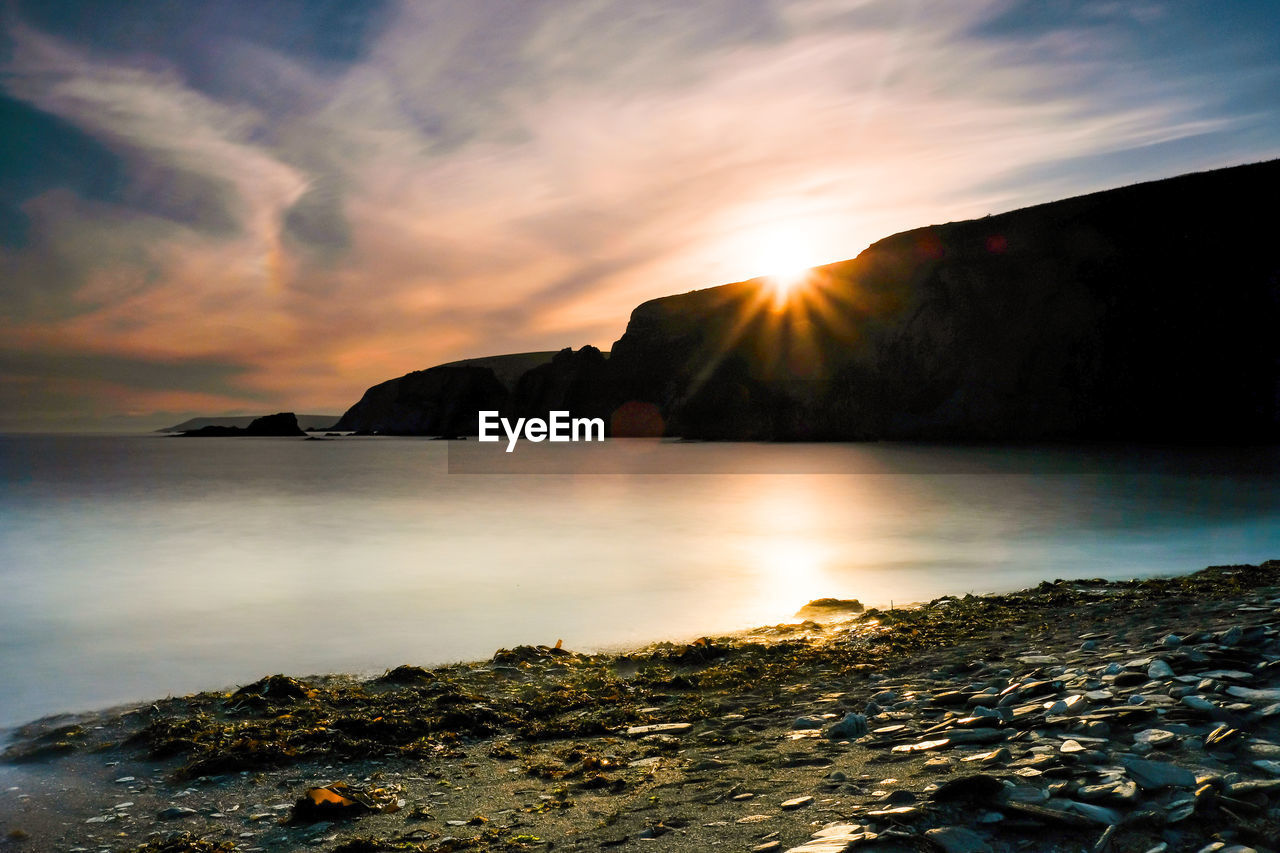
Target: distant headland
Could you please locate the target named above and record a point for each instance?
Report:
(305, 422)
(281, 424)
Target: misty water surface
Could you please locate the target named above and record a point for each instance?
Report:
(136, 567)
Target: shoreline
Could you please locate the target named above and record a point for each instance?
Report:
(726, 741)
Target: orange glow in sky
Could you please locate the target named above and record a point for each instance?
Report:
(255, 213)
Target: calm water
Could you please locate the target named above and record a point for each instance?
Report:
(136, 567)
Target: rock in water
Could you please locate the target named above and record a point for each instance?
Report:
(829, 607)
(280, 424)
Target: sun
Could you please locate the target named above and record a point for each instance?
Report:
(784, 255)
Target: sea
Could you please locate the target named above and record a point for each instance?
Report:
(138, 567)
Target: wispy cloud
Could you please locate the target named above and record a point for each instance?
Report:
(473, 178)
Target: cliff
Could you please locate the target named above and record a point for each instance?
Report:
(1146, 312)
(1142, 313)
(441, 400)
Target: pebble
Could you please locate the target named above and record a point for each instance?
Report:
(660, 728)
(957, 839)
(1155, 775)
(852, 726)
(175, 812)
(1155, 738)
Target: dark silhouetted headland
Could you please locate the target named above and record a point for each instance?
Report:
(279, 424)
(1142, 313)
(304, 421)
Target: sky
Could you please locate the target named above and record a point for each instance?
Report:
(229, 206)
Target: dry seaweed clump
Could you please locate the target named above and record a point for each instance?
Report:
(34, 744)
(278, 688)
(184, 842)
(490, 838)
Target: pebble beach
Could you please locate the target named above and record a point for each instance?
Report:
(1076, 715)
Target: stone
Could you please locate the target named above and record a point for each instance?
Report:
(1098, 814)
(659, 728)
(978, 721)
(852, 726)
(978, 786)
(922, 746)
(897, 814)
(1067, 705)
(1130, 679)
(836, 838)
(1156, 775)
(1159, 669)
(796, 803)
(1171, 641)
(1116, 791)
(1227, 675)
(1255, 697)
(1038, 660)
(176, 812)
(957, 839)
(1155, 738)
(1270, 787)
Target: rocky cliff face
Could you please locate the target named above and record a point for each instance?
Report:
(439, 401)
(1148, 313)
(577, 382)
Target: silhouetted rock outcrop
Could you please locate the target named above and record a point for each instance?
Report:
(1146, 313)
(442, 400)
(280, 424)
(577, 382)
